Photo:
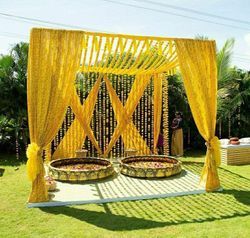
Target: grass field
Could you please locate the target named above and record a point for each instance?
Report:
(220, 214)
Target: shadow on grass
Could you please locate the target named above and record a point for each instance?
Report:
(11, 160)
(105, 220)
(134, 215)
(241, 196)
(233, 201)
(194, 153)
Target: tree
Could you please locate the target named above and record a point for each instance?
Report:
(234, 101)
(224, 57)
(13, 103)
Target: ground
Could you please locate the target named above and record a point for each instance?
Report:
(220, 214)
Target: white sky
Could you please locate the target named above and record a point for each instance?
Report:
(100, 15)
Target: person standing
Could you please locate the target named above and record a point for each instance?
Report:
(177, 135)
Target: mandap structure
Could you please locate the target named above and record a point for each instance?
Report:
(59, 58)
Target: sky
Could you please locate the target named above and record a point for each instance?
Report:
(149, 18)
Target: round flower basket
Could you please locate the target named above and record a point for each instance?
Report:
(80, 169)
(152, 166)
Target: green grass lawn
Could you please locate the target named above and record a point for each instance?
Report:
(220, 214)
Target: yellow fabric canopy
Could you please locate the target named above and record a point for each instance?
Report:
(124, 54)
(56, 56)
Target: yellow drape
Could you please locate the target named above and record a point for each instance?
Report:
(130, 135)
(141, 82)
(157, 107)
(77, 139)
(197, 60)
(83, 117)
(54, 57)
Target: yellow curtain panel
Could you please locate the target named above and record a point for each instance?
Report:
(54, 58)
(197, 61)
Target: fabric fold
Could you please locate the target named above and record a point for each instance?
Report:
(54, 57)
(197, 60)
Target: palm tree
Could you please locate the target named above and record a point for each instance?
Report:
(224, 57)
(223, 72)
(235, 97)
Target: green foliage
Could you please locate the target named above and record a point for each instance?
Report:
(201, 37)
(7, 133)
(177, 97)
(234, 100)
(223, 62)
(13, 103)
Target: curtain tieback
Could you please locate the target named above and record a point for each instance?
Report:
(214, 145)
(33, 153)
(208, 145)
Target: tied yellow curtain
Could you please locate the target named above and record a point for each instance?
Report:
(54, 57)
(197, 60)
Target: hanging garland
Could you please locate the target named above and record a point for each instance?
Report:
(104, 122)
(165, 117)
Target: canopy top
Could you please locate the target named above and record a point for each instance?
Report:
(122, 54)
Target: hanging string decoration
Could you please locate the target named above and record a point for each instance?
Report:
(165, 117)
(121, 59)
